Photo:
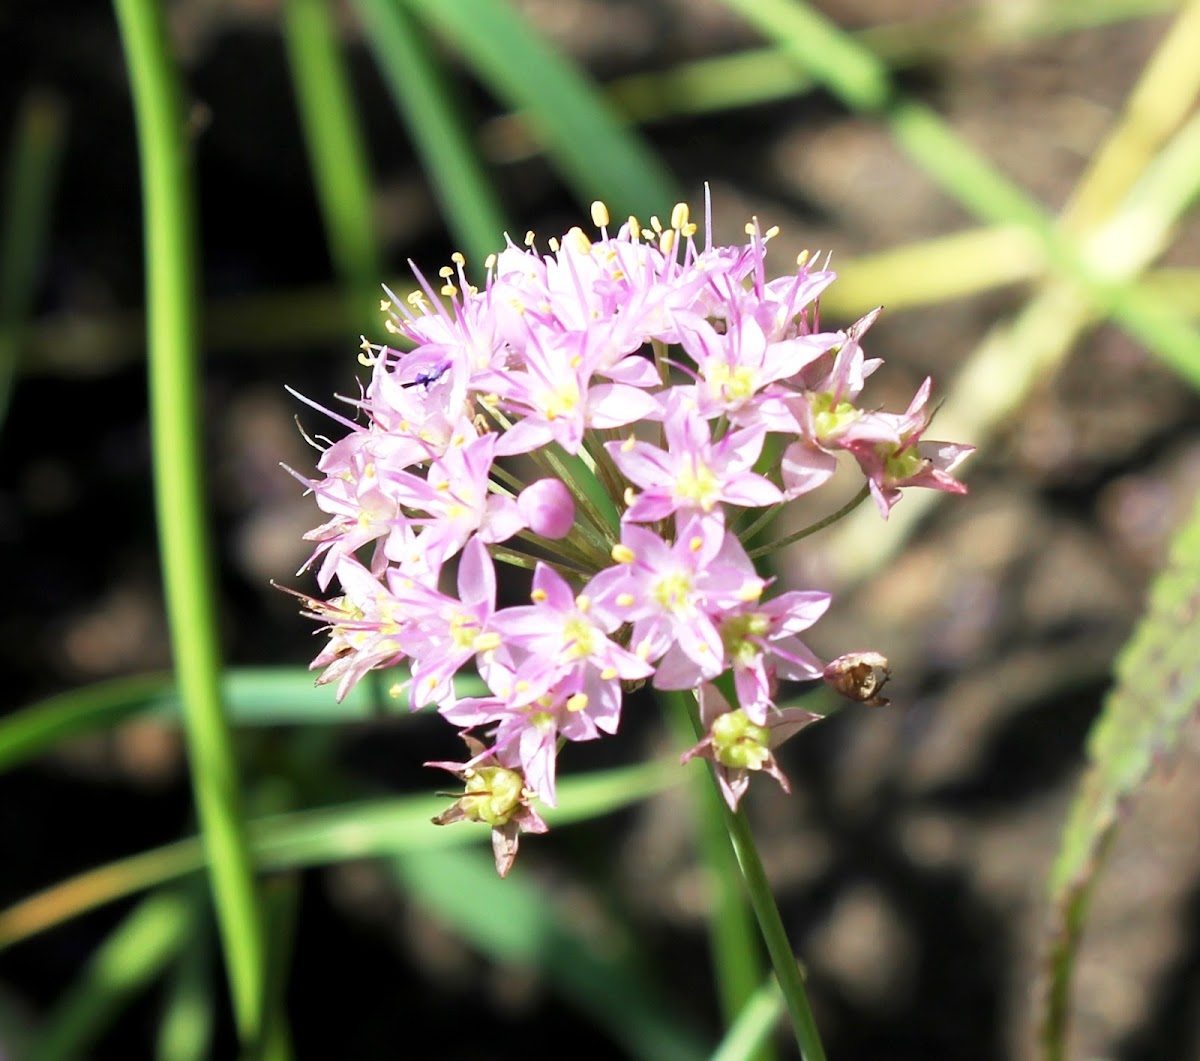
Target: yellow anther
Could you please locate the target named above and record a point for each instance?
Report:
(384, 305)
(599, 214)
(626, 600)
(583, 602)
(390, 326)
(530, 238)
(395, 690)
(802, 258)
(750, 591)
(457, 258)
(445, 272)
(577, 702)
(629, 496)
(622, 554)
(772, 232)
(608, 674)
(666, 242)
(538, 596)
(554, 244)
(689, 229)
(580, 243)
(635, 227)
(679, 216)
(449, 290)
(628, 444)
(656, 224)
(751, 228)
(487, 642)
(489, 262)
(695, 543)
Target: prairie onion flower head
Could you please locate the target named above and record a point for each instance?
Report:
(618, 417)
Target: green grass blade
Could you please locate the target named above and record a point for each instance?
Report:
(752, 1030)
(763, 75)
(515, 922)
(335, 149)
(597, 154)
(366, 829)
(186, 1030)
(34, 157)
(860, 80)
(35, 729)
(427, 101)
(177, 431)
(253, 696)
(1157, 692)
(132, 956)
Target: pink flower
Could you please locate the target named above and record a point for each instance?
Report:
(674, 596)
(908, 461)
(762, 647)
(738, 746)
(494, 793)
(498, 438)
(694, 473)
(563, 636)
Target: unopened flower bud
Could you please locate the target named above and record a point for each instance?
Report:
(547, 507)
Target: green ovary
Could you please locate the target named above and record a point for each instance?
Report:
(902, 464)
(733, 384)
(493, 795)
(739, 743)
(463, 631)
(673, 592)
(698, 485)
(580, 638)
(737, 635)
(828, 418)
(561, 402)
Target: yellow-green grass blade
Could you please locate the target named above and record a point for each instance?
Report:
(126, 963)
(365, 829)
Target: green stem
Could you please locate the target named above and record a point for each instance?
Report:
(736, 959)
(172, 327)
(770, 924)
(812, 528)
